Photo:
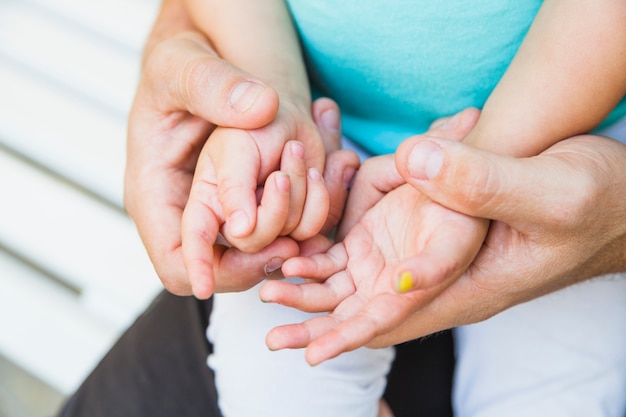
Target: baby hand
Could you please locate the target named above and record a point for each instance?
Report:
(291, 201)
(365, 291)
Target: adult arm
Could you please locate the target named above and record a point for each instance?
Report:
(184, 92)
(559, 219)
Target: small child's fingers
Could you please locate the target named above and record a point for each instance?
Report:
(357, 327)
(199, 229)
(327, 117)
(238, 271)
(294, 165)
(315, 210)
(318, 266)
(455, 127)
(339, 173)
(376, 177)
(236, 163)
(313, 297)
(271, 215)
(315, 245)
(300, 335)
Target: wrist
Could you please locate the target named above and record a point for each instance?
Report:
(292, 88)
(173, 18)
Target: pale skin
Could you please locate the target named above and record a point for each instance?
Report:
(175, 109)
(582, 176)
(524, 115)
(500, 188)
(257, 37)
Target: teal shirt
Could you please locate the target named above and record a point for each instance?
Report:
(395, 66)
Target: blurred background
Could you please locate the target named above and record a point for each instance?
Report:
(73, 273)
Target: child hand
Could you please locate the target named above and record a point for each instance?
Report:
(365, 290)
(237, 162)
(231, 164)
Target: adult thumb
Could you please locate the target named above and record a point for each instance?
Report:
(185, 74)
(472, 181)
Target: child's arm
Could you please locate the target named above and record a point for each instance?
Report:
(258, 37)
(561, 83)
(565, 79)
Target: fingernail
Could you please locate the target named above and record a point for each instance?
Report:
(314, 174)
(405, 282)
(348, 177)
(238, 223)
(451, 122)
(330, 120)
(282, 181)
(273, 265)
(425, 160)
(297, 149)
(244, 95)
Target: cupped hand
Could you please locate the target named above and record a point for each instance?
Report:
(559, 218)
(205, 214)
(184, 92)
(237, 164)
(365, 288)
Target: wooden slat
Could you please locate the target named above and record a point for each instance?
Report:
(77, 239)
(124, 21)
(68, 55)
(73, 271)
(62, 133)
(46, 330)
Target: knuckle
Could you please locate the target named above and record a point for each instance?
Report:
(248, 245)
(481, 186)
(230, 190)
(574, 204)
(192, 78)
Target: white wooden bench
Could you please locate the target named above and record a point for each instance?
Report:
(73, 272)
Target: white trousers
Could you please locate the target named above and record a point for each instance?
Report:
(253, 381)
(560, 355)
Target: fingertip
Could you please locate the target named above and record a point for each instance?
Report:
(423, 160)
(287, 337)
(282, 181)
(317, 352)
(312, 358)
(271, 342)
(457, 126)
(405, 282)
(253, 104)
(244, 95)
(238, 224)
(202, 289)
(327, 117)
(267, 292)
(315, 210)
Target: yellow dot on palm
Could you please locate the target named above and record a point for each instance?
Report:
(405, 283)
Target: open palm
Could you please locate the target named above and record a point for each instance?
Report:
(361, 291)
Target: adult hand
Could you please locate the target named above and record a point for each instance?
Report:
(175, 109)
(239, 165)
(358, 280)
(185, 91)
(559, 218)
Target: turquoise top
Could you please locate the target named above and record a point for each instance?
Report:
(400, 64)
